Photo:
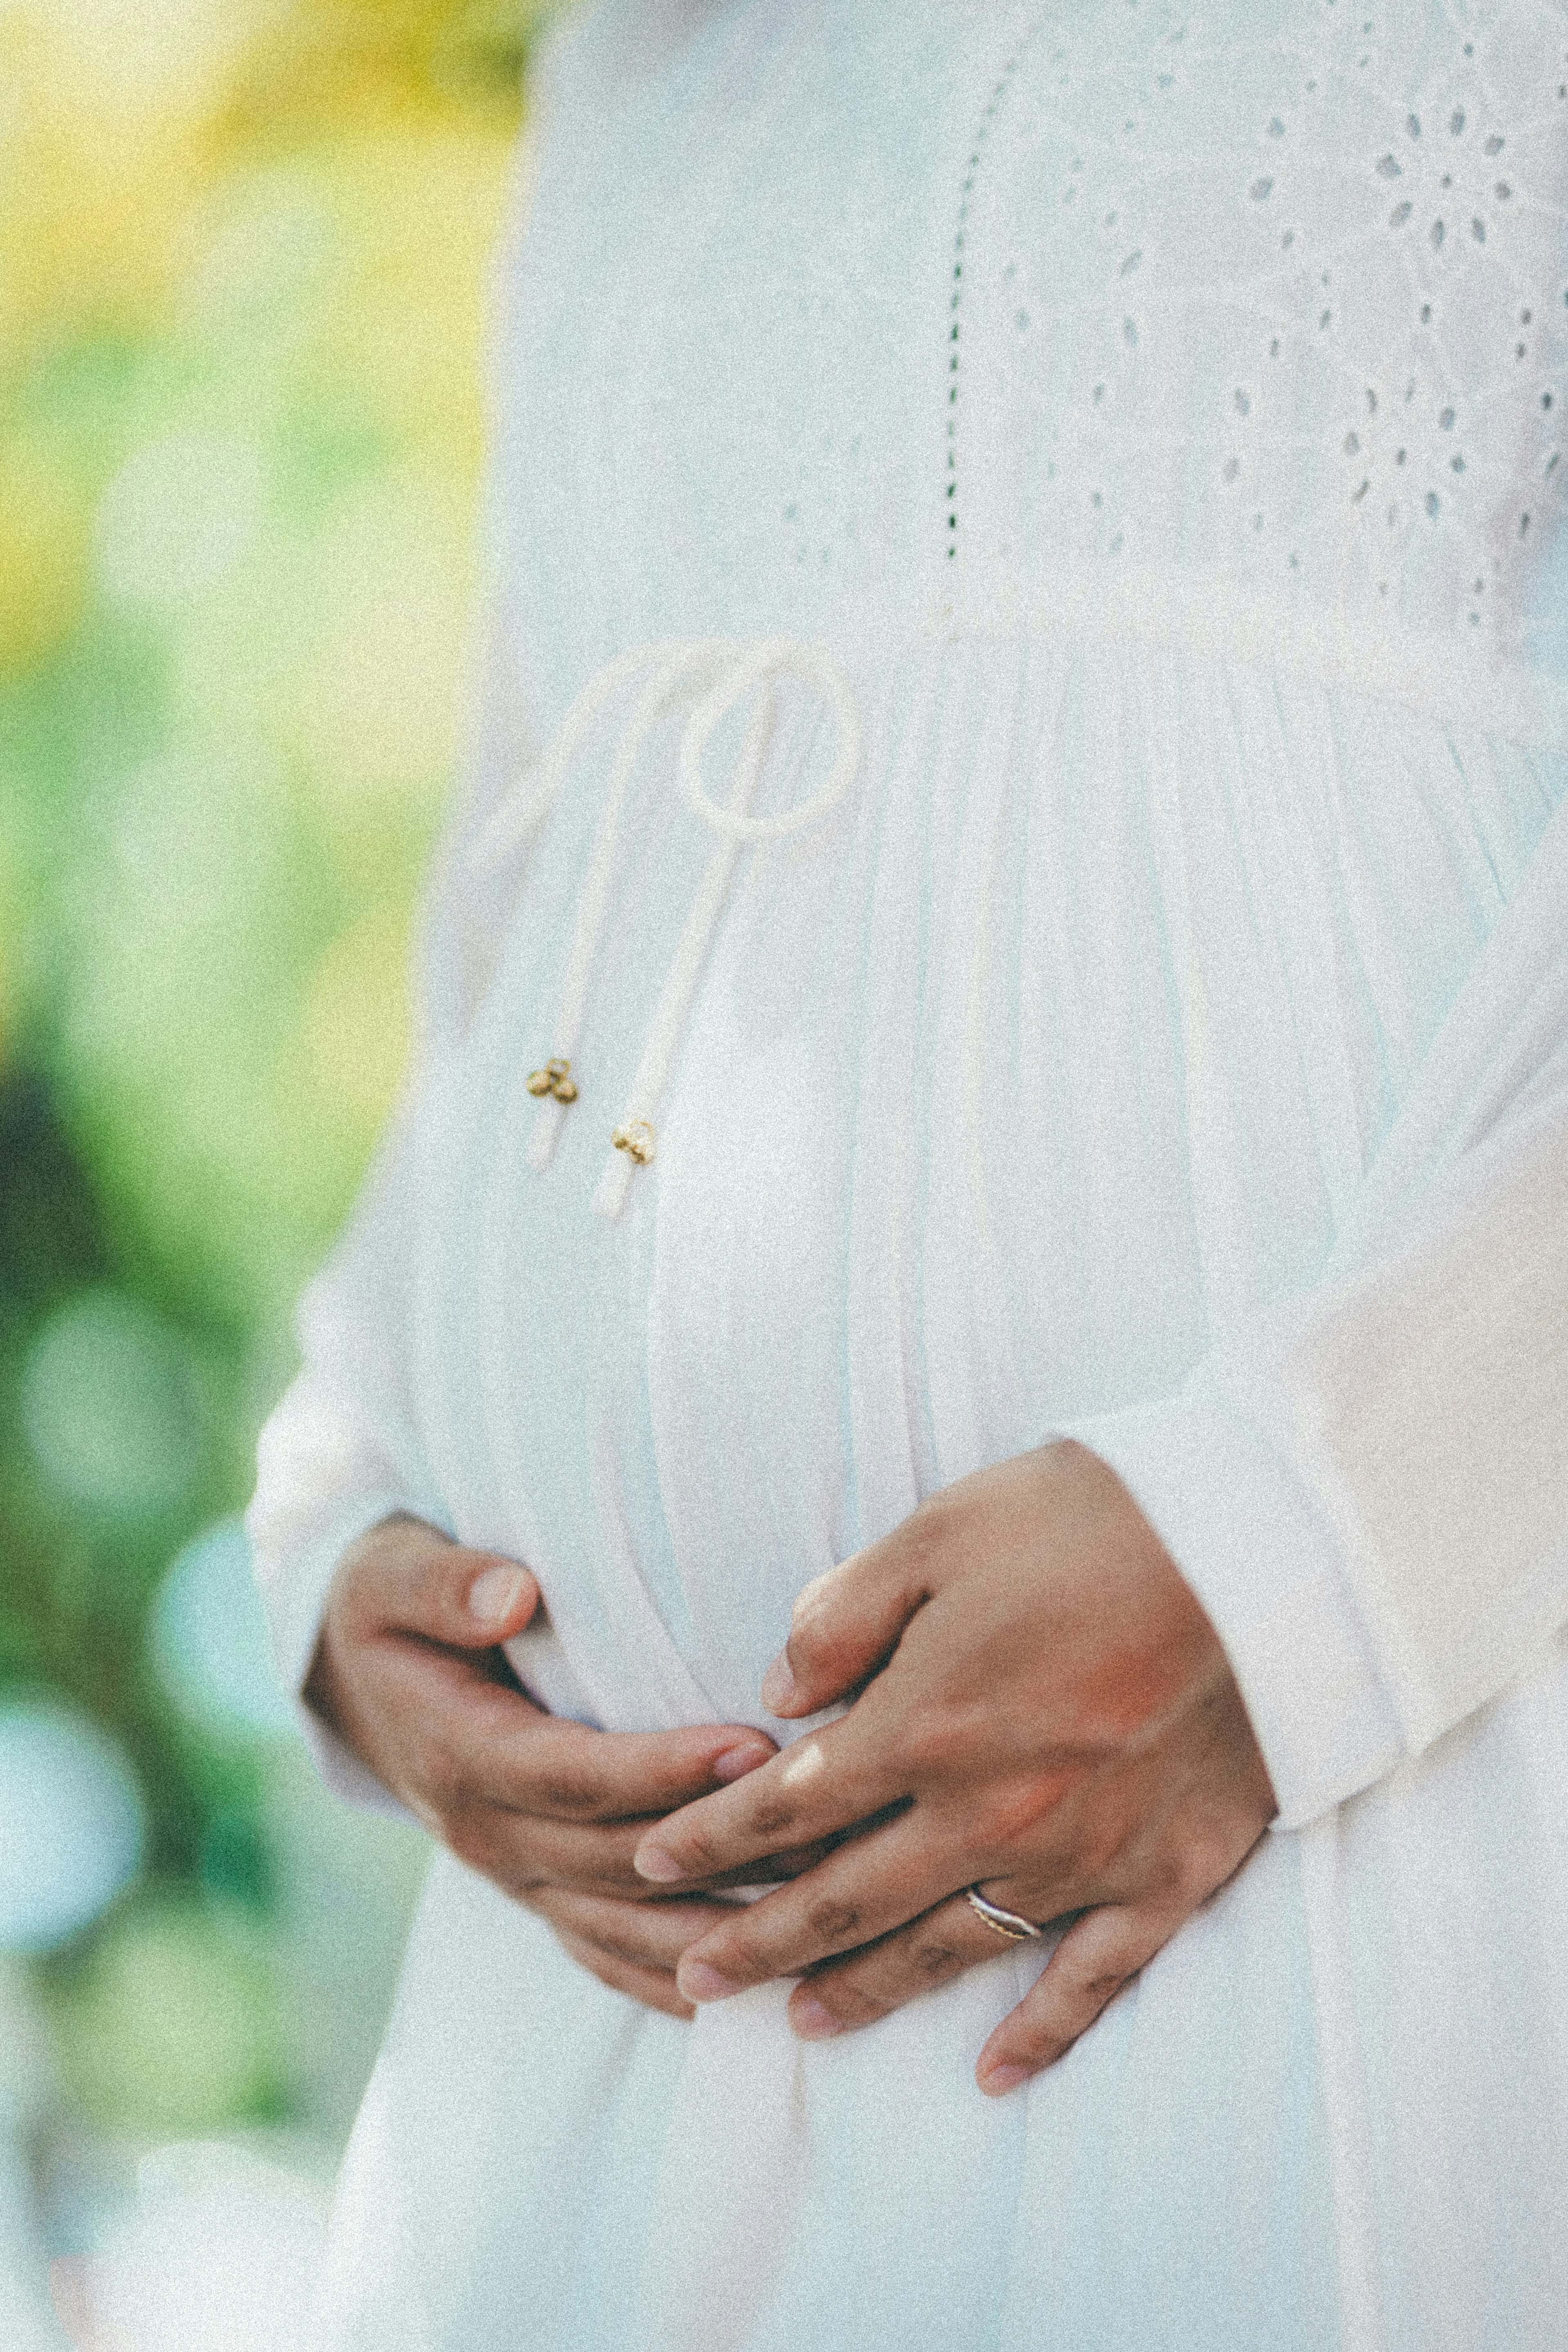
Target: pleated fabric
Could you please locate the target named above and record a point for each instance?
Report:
(1060, 1050)
(1155, 412)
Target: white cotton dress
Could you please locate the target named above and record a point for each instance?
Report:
(1098, 467)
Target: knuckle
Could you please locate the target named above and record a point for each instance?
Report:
(771, 1816)
(832, 1919)
(742, 1959)
(852, 2000)
(697, 1850)
(933, 1957)
(573, 1789)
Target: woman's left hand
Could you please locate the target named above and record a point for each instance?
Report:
(1049, 1714)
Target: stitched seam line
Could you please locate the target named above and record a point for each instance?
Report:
(972, 172)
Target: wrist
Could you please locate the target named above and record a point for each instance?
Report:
(1264, 1567)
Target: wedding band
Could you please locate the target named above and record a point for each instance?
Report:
(1006, 1923)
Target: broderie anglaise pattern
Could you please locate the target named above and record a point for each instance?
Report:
(1280, 289)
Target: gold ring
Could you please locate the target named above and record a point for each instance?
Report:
(1006, 1923)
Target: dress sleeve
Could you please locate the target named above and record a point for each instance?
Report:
(1368, 1488)
(341, 1451)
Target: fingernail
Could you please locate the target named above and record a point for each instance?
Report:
(496, 1593)
(736, 1762)
(778, 1687)
(698, 1982)
(812, 2022)
(1002, 2079)
(652, 1862)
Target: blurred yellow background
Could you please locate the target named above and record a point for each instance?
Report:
(243, 246)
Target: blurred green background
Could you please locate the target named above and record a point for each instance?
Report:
(242, 257)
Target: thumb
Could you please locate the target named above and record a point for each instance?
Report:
(846, 1624)
(408, 1578)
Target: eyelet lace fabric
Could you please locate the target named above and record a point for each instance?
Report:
(1280, 292)
(1084, 984)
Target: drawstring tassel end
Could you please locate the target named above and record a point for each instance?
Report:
(554, 1088)
(722, 673)
(634, 1148)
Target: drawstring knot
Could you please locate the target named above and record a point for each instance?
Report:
(721, 672)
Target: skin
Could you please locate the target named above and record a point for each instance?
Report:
(407, 1672)
(1048, 1713)
(1042, 1708)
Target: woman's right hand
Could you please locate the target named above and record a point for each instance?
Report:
(409, 1676)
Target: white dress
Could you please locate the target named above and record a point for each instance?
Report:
(1099, 464)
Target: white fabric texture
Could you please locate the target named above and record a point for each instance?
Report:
(1134, 432)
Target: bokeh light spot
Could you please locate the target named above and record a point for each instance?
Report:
(109, 1406)
(43, 551)
(171, 2022)
(270, 248)
(70, 1824)
(356, 1018)
(148, 54)
(209, 1637)
(242, 245)
(376, 709)
(183, 510)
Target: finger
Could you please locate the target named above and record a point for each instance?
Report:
(866, 1889)
(480, 1743)
(1094, 1961)
(641, 1934)
(527, 1858)
(490, 1744)
(524, 1855)
(847, 1622)
(407, 1578)
(820, 1787)
(565, 1771)
(652, 1987)
(871, 1983)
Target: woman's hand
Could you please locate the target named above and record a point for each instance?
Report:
(1051, 1715)
(408, 1674)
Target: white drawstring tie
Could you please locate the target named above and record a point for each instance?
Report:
(723, 671)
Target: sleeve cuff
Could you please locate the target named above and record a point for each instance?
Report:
(295, 1606)
(1263, 1563)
